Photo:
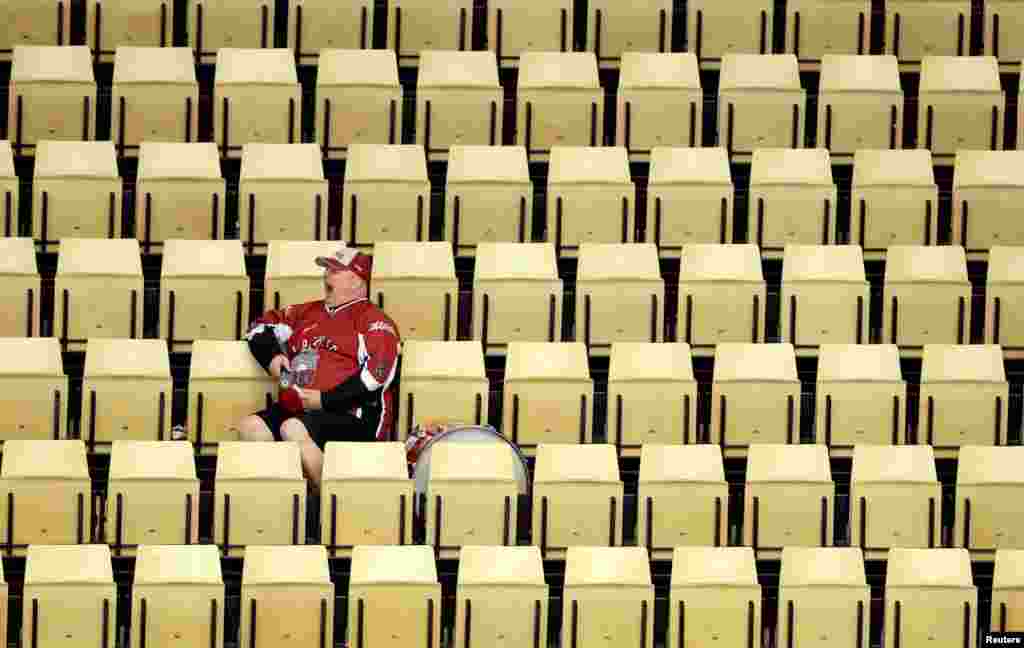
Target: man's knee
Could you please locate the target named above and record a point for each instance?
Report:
(253, 428)
(294, 430)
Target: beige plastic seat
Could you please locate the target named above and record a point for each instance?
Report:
(112, 24)
(155, 97)
(76, 192)
(52, 96)
(854, 383)
(989, 486)
(930, 593)
(716, 282)
(262, 484)
(70, 597)
(716, 29)
(442, 381)
(895, 499)
(46, 483)
(609, 595)
(282, 195)
(1002, 18)
(860, 102)
(760, 103)
(182, 592)
(515, 27)
(1003, 312)
(652, 395)
(287, 597)
(824, 596)
(472, 499)
(894, 200)
(180, 194)
(700, 179)
(459, 101)
(488, 197)
(33, 389)
(501, 596)
(715, 596)
(789, 498)
(816, 29)
(152, 496)
(755, 396)
(961, 105)
(257, 99)
(683, 498)
(1007, 589)
(318, 26)
(98, 291)
(590, 199)
(415, 283)
(964, 397)
(416, 26)
(30, 22)
(197, 280)
(917, 29)
(559, 102)
(386, 195)
(927, 297)
(985, 185)
(577, 498)
(358, 99)
(792, 199)
(292, 275)
(20, 288)
(215, 25)
(394, 598)
(367, 496)
(10, 187)
(616, 29)
(825, 296)
(614, 284)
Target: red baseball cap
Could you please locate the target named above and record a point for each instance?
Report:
(349, 259)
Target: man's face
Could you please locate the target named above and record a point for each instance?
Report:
(341, 286)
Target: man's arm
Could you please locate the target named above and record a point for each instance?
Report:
(269, 334)
(378, 360)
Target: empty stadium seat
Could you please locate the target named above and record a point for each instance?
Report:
(458, 101)
(358, 100)
(69, 598)
(1006, 588)
(415, 284)
(760, 103)
(823, 596)
(492, 185)
(204, 292)
(988, 491)
(287, 597)
(11, 190)
(30, 22)
(927, 297)
(716, 282)
(76, 192)
(1002, 18)
(683, 498)
(614, 284)
(590, 199)
(700, 179)
(33, 389)
(825, 296)
(860, 103)
(822, 28)
(715, 29)
(472, 499)
(930, 594)
(257, 98)
(652, 395)
(366, 496)
(615, 28)
(518, 26)
(152, 496)
(853, 383)
(755, 396)
(52, 96)
(394, 598)
(178, 596)
(1003, 314)
(559, 102)
(386, 195)
(789, 498)
(609, 595)
(577, 498)
(715, 596)
(47, 494)
(961, 105)
(894, 200)
(155, 97)
(214, 25)
(895, 499)
(316, 26)
(111, 24)
(98, 291)
(20, 296)
(180, 193)
(283, 195)
(501, 597)
(964, 397)
(650, 86)
(415, 26)
(262, 484)
(917, 29)
(441, 381)
(792, 199)
(985, 186)
(292, 276)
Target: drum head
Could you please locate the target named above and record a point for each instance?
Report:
(469, 434)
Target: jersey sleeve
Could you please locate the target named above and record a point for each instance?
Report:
(378, 344)
(269, 334)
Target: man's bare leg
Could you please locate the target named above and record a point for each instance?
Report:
(312, 458)
(252, 428)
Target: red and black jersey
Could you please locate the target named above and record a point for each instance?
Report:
(357, 348)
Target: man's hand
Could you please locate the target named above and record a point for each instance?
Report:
(279, 363)
(310, 398)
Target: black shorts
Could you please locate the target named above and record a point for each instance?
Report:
(322, 426)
